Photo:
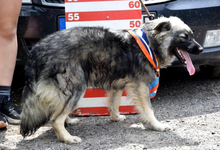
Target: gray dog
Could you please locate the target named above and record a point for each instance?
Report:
(62, 65)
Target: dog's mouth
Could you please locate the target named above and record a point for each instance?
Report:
(185, 59)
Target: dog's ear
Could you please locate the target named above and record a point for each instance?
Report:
(163, 26)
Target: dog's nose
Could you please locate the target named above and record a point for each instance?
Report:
(197, 49)
(200, 49)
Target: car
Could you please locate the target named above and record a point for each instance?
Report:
(39, 18)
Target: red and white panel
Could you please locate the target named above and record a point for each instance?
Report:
(95, 102)
(114, 14)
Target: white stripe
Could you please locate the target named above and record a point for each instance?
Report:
(113, 24)
(140, 34)
(102, 102)
(99, 6)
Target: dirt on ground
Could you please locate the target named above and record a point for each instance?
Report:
(189, 104)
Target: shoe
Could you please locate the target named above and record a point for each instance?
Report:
(3, 122)
(10, 111)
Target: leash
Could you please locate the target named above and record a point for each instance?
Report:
(146, 10)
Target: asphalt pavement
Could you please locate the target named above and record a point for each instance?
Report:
(189, 104)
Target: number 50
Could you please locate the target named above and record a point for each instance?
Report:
(134, 24)
(73, 16)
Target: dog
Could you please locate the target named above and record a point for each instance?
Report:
(62, 65)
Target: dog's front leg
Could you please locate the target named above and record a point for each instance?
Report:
(147, 115)
(114, 99)
(140, 95)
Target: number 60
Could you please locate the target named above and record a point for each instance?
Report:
(133, 4)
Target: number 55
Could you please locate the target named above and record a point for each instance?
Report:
(73, 16)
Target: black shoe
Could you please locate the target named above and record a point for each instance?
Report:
(3, 121)
(10, 111)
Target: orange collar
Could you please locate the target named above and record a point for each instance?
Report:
(142, 41)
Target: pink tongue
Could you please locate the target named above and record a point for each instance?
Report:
(189, 65)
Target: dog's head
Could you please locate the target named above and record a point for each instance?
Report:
(172, 37)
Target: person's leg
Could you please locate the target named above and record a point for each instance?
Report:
(9, 13)
(3, 122)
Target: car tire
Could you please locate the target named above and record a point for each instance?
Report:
(211, 71)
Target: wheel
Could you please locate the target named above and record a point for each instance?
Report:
(211, 71)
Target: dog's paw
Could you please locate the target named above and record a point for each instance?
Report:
(118, 118)
(71, 121)
(73, 139)
(160, 127)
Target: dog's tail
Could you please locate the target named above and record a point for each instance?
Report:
(32, 116)
(41, 99)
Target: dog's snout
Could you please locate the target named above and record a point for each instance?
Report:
(196, 48)
(200, 49)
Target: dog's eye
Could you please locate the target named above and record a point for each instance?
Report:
(183, 37)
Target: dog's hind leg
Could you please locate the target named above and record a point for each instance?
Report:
(114, 99)
(71, 121)
(58, 119)
(58, 125)
(141, 99)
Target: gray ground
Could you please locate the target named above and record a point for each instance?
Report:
(189, 104)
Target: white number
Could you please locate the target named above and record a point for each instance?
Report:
(76, 16)
(73, 16)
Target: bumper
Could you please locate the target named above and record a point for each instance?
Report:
(35, 23)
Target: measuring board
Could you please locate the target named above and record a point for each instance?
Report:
(114, 14)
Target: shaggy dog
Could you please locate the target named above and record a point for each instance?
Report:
(62, 65)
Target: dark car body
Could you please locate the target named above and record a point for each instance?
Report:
(43, 17)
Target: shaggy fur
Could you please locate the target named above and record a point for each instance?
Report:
(62, 65)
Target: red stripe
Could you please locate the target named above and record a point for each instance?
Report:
(73, 1)
(95, 93)
(154, 88)
(152, 96)
(103, 110)
(104, 15)
(91, 93)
